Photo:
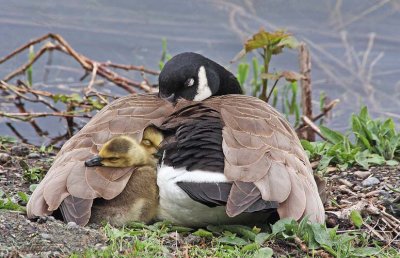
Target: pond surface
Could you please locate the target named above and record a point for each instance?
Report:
(355, 44)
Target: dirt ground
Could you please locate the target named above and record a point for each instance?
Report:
(376, 198)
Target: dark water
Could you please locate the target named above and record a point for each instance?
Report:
(355, 44)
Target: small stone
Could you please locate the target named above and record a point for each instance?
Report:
(4, 157)
(370, 181)
(362, 174)
(71, 225)
(344, 174)
(46, 236)
(33, 155)
(20, 150)
(345, 182)
(50, 218)
(357, 188)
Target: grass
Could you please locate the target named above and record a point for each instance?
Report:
(8, 203)
(287, 237)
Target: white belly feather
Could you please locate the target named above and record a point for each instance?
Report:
(176, 206)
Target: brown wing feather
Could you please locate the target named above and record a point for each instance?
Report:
(69, 177)
(261, 147)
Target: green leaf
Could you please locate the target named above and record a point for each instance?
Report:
(244, 231)
(392, 162)
(321, 235)
(181, 229)
(261, 238)
(243, 71)
(250, 247)
(264, 39)
(324, 163)
(203, 233)
(365, 251)
(29, 70)
(356, 218)
(23, 196)
(279, 226)
(24, 165)
(232, 240)
(264, 252)
(332, 136)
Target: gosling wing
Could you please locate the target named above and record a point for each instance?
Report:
(70, 180)
(261, 149)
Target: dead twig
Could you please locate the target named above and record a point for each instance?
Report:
(305, 82)
(131, 67)
(28, 115)
(313, 126)
(325, 111)
(272, 89)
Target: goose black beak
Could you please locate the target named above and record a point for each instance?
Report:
(170, 98)
(94, 162)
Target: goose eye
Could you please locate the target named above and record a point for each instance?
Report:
(113, 159)
(146, 142)
(189, 82)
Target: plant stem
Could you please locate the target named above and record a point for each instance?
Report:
(267, 59)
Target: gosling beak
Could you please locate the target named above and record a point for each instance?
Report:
(94, 162)
(170, 98)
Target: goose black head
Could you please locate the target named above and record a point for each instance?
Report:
(192, 76)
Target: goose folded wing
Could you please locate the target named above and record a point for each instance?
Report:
(72, 185)
(262, 149)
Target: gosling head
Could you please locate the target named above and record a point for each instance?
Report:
(194, 77)
(124, 151)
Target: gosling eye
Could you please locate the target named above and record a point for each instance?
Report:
(189, 82)
(113, 159)
(146, 142)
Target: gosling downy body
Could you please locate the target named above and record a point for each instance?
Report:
(139, 199)
(262, 164)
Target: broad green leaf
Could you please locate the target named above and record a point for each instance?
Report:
(332, 136)
(392, 162)
(356, 218)
(324, 163)
(280, 225)
(321, 235)
(24, 197)
(365, 251)
(232, 240)
(364, 114)
(203, 233)
(250, 247)
(266, 39)
(264, 252)
(307, 146)
(261, 238)
(180, 229)
(244, 231)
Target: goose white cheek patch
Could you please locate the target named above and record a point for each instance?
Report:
(203, 90)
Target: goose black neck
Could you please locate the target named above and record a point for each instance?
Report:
(228, 83)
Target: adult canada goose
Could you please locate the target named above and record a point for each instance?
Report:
(233, 152)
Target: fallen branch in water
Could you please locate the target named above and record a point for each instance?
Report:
(29, 116)
(86, 63)
(76, 105)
